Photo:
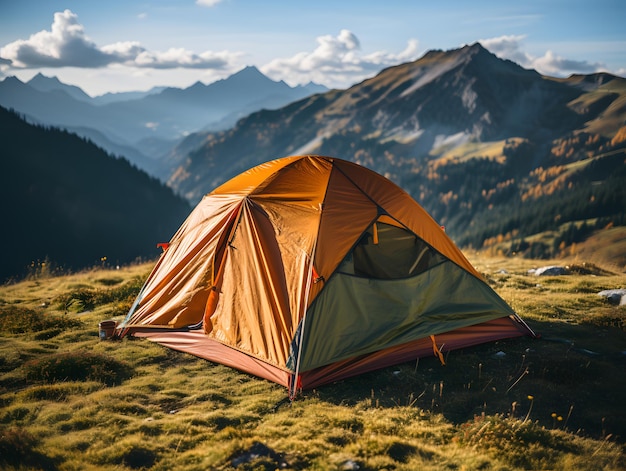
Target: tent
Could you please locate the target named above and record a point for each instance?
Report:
(310, 269)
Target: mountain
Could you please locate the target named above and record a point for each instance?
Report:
(218, 105)
(68, 202)
(495, 152)
(48, 84)
(56, 107)
(167, 113)
(125, 96)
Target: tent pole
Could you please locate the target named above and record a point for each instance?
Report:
(294, 384)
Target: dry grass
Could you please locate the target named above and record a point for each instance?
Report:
(69, 401)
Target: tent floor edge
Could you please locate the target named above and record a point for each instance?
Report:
(496, 329)
(197, 343)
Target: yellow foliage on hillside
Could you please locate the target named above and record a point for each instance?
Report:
(548, 181)
(620, 136)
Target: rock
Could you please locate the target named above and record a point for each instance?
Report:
(553, 270)
(614, 296)
(256, 451)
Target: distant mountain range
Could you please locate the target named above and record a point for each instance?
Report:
(49, 84)
(67, 202)
(508, 160)
(498, 154)
(127, 123)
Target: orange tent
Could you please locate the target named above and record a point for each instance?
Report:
(308, 269)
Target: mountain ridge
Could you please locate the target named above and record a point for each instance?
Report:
(480, 142)
(169, 113)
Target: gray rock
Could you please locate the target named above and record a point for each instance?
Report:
(553, 270)
(614, 296)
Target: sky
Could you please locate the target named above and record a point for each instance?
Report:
(126, 45)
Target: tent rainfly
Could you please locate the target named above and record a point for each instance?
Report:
(310, 269)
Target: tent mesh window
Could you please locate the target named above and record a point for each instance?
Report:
(389, 252)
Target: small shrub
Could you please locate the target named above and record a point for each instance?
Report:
(139, 457)
(352, 425)
(77, 366)
(59, 391)
(524, 444)
(131, 455)
(13, 414)
(20, 320)
(401, 452)
(86, 299)
(116, 280)
(18, 449)
(43, 269)
(220, 422)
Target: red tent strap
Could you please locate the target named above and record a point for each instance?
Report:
(316, 277)
(436, 350)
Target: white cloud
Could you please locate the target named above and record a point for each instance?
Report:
(336, 61)
(67, 45)
(178, 57)
(510, 47)
(551, 64)
(126, 51)
(207, 3)
(64, 45)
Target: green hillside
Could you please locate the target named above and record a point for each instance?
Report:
(68, 203)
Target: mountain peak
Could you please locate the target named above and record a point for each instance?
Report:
(474, 50)
(197, 86)
(13, 80)
(41, 79)
(50, 84)
(249, 72)
(474, 47)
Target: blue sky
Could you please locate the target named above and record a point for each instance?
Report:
(123, 45)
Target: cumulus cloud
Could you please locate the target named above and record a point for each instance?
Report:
(552, 64)
(178, 57)
(336, 61)
(67, 45)
(64, 45)
(510, 47)
(207, 3)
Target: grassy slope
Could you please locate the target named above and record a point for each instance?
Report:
(549, 403)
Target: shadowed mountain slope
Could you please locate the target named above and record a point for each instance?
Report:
(68, 201)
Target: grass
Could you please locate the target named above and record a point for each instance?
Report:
(69, 401)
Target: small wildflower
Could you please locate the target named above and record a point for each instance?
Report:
(553, 415)
(530, 398)
(559, 418)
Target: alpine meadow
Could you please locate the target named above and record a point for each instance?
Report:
(423, 271)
